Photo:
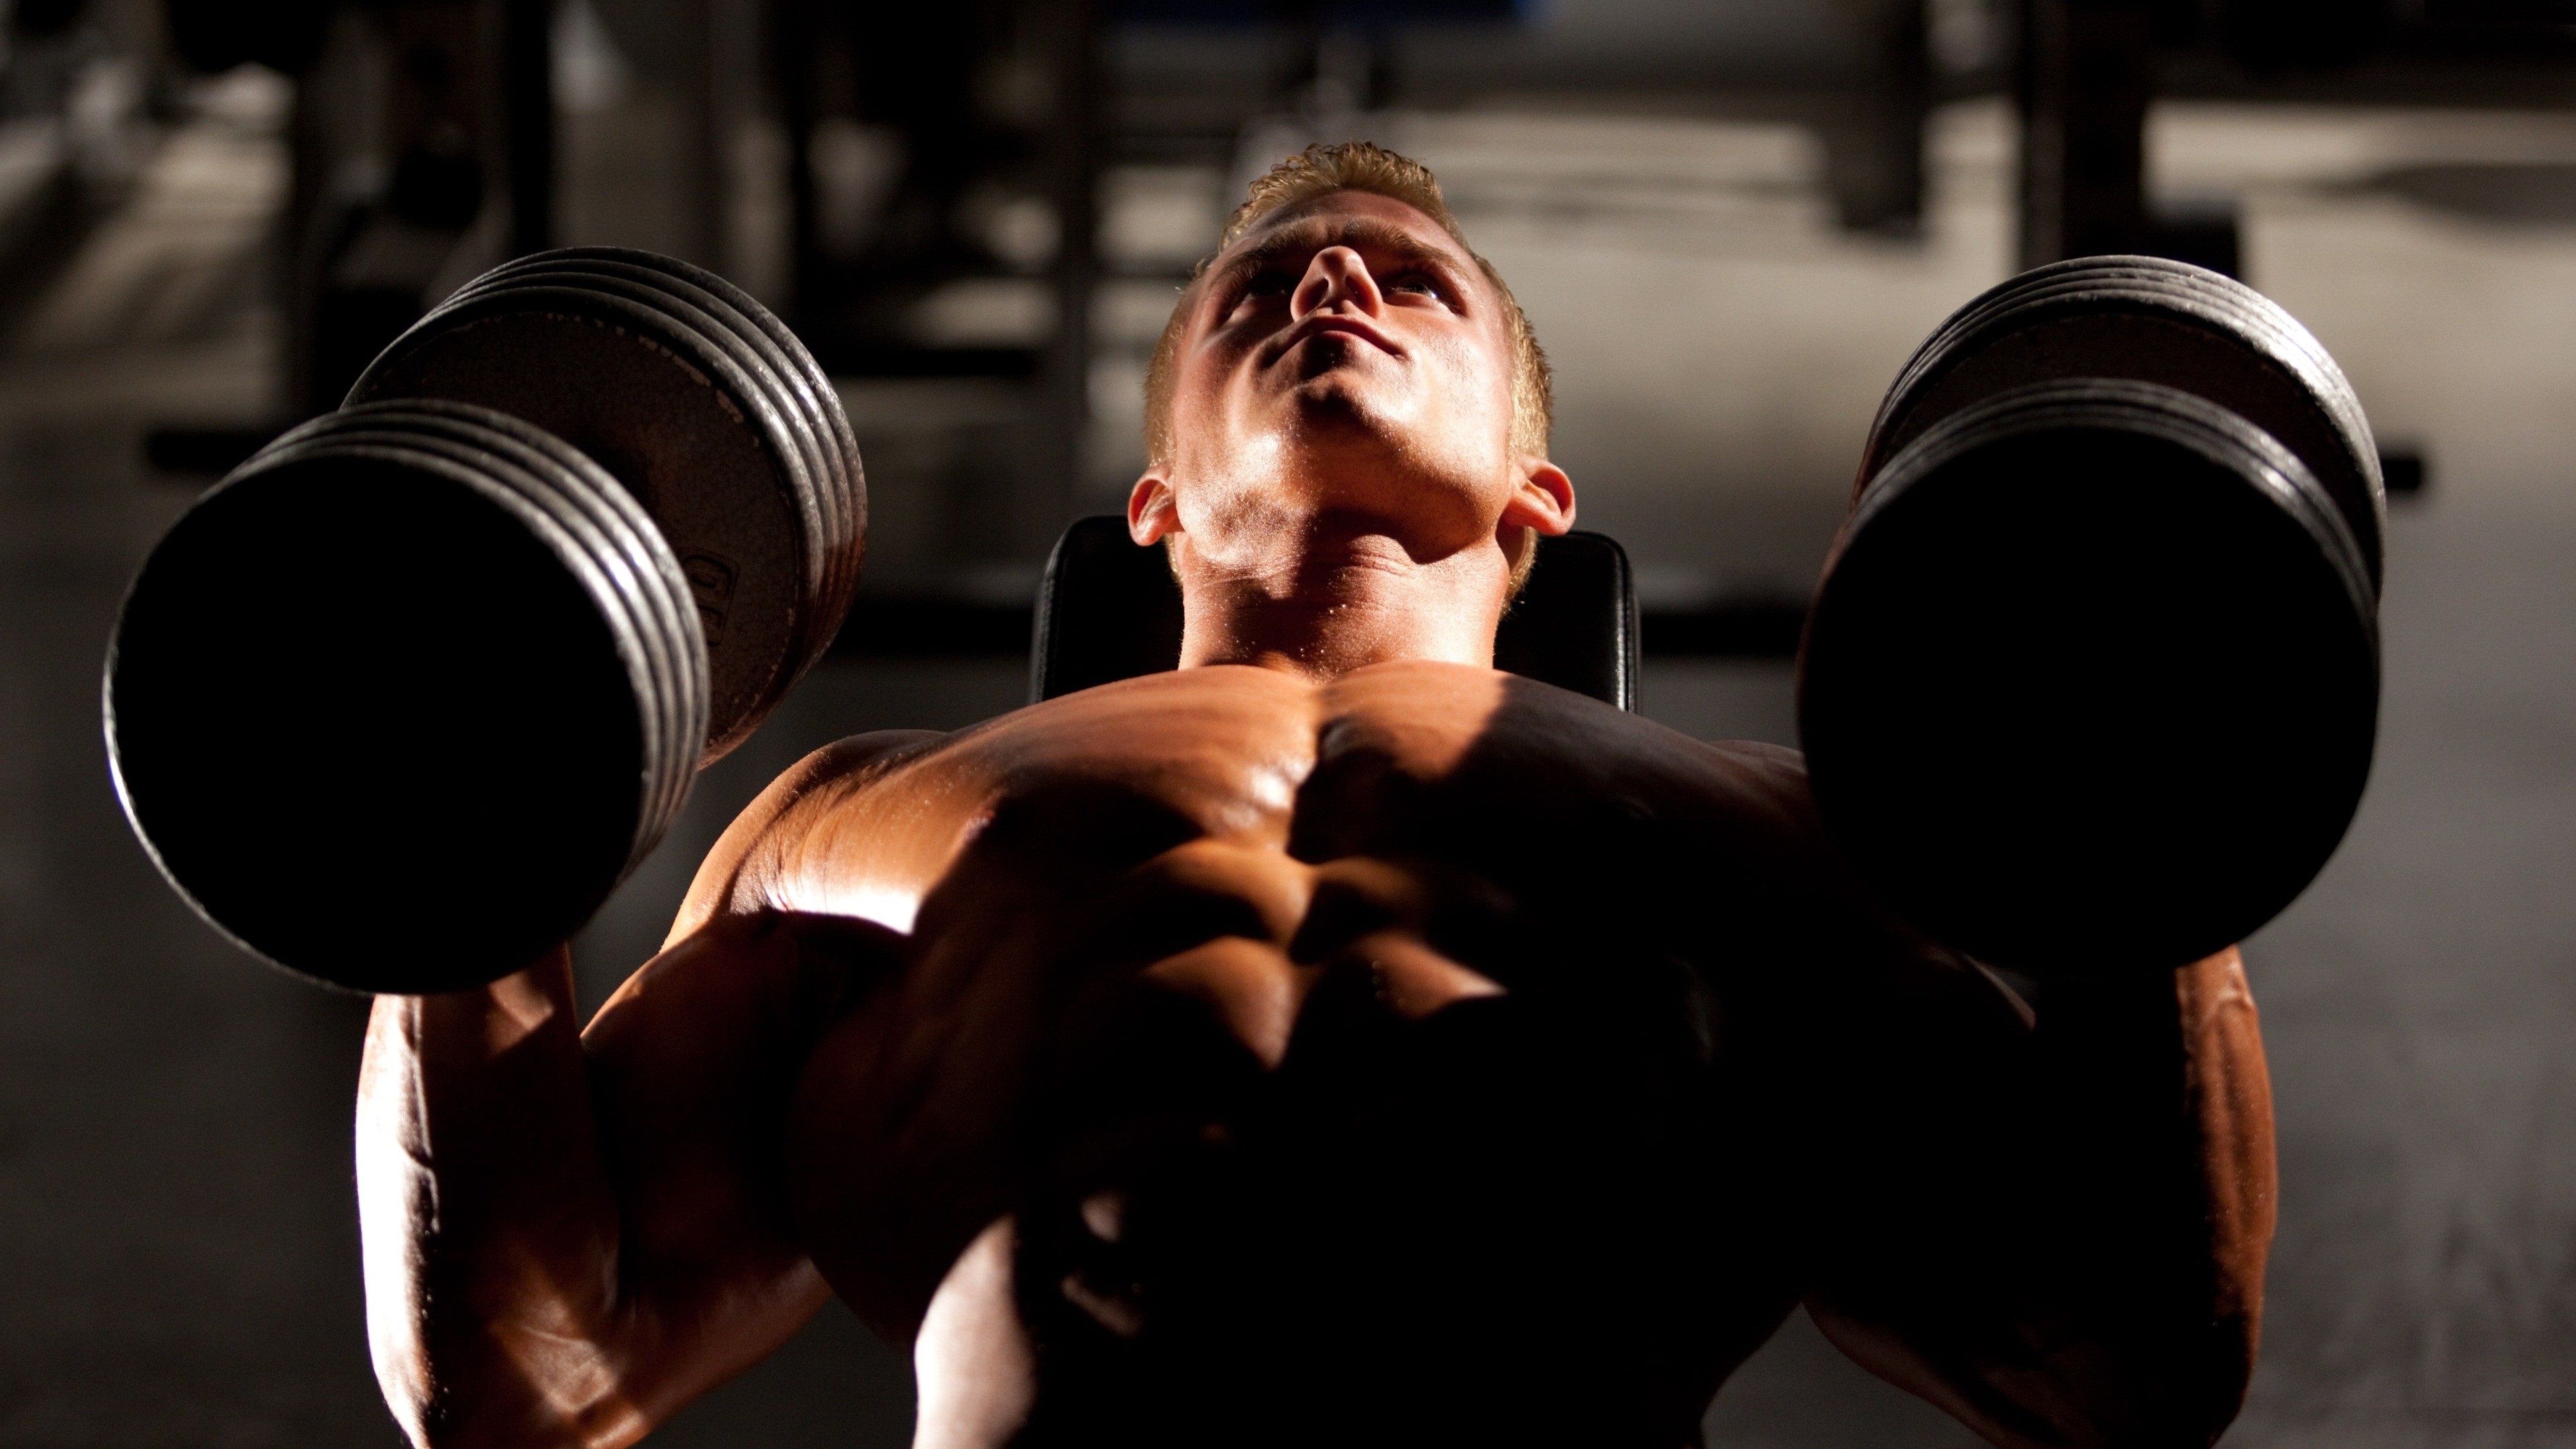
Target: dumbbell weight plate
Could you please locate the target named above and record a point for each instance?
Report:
(2236, 308)
(675, 727)
(370, 714)
(672, 418)
(627, 616)
(789, 477)
(620, 534)
(2331, 387)
(2254, 315)
(585, 479)
(635, 549)
(2091, 678)
(565, 458)
(567, 469)
(833, 421)
(2203, 333)
(818, 464)
(804, 391)
(2152, 321)
(780, 345)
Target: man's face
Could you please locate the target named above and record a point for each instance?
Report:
(1346, 362)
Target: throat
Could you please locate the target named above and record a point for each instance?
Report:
(1332, 610)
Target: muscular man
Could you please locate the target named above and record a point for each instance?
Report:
(1333, 1041)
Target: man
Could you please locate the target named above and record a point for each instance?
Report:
(1333, 1041)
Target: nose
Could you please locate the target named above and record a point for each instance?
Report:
(1338, 276)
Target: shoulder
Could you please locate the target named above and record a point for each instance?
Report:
(804, 790)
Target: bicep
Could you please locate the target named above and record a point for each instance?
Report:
(694, 1059)
(692, 1065)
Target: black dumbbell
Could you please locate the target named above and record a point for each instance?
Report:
(400, 701)
(2091, 678)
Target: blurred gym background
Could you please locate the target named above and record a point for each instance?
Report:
(1730, 221)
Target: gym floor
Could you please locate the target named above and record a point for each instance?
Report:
(177, 1239)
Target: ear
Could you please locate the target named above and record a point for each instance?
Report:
(1543, 498)
(1152, 511)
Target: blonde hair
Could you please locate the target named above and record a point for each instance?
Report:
(1356, 166)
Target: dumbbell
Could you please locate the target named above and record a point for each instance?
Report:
(399, 702)
(2090, 681)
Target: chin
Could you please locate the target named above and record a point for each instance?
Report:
(1343, 457)
(1342, 410)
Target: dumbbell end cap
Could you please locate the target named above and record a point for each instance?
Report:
(365, 759)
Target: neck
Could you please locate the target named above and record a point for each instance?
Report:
(1333, 604)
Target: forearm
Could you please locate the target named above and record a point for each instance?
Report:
(489, 1221)
(2228, 1085)
(2160, 1197)
(2059, 1237)
(2159, 1088)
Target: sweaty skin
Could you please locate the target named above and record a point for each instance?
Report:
(1333, 1041)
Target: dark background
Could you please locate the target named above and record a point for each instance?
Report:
(1709, 213)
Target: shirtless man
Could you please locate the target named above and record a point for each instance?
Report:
(1333, 1041)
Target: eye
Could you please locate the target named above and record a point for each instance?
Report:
(1261, 286)
(1418, 283)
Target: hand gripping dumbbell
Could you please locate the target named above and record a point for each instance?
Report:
(400, 701)
(2091, 678)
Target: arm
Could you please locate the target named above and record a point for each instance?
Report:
(2061, 1240)
(570, 1234)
